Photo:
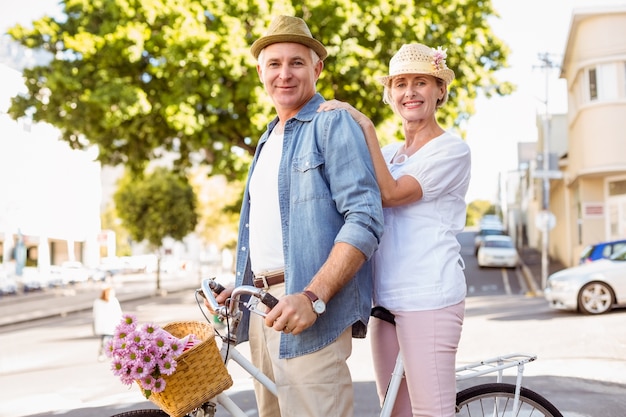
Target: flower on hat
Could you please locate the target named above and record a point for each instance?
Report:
(439, 58)
(144, 354)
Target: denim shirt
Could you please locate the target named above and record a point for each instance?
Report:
(328, 194)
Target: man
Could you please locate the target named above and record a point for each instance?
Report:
(310, 221)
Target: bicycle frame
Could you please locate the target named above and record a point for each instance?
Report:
(229, 351)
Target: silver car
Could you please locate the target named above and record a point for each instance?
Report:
(593, 288)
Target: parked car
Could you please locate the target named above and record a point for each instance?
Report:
(7, 284)
(591, 288)
(497, 251)
(491, 231)
(490, 221)
(31, 279)
(55, 279)
(73, 272)
(601, 250)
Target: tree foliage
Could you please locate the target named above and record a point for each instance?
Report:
(477, 209)
(143, 77)
(157, 205)
(218, 202)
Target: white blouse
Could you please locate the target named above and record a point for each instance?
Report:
(418, 265)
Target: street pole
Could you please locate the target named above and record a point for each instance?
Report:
(546, 64)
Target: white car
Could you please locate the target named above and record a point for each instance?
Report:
(489, 231)
(7, 283)
(497, 251)
(592, 288)
(73, 272)
(490, 221)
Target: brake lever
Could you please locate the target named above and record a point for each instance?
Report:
(266, 299)
(253, 304)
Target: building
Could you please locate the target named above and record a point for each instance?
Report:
(49, 194)
(583, 187)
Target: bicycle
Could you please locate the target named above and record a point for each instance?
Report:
(497, 399)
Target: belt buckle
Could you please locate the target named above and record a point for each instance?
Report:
(264, 279)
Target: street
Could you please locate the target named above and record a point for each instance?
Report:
(49, 366)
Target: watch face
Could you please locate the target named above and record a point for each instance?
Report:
(319, 306)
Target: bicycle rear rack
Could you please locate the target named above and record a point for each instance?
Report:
(496, 364)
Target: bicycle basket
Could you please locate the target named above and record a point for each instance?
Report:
(200, 372)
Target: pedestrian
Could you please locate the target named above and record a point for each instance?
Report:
(418, 269)
(311, 220)
(107, 314)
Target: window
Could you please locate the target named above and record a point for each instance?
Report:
(593, 85)
(602, 82)
(617, 187)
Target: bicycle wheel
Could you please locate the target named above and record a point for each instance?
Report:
(496, 400)
(142, 413)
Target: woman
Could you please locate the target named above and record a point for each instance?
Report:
(107, 314)
(418, 269)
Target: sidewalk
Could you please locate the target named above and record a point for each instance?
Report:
(532, 268)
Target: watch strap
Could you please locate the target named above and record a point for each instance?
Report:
(311, 295)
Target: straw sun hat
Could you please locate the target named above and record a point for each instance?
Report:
(288, 29)
(416, 58)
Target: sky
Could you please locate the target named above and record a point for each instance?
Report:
(529, 28)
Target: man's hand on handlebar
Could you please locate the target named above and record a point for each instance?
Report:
(293, 314)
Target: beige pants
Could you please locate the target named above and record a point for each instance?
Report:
(314, 385)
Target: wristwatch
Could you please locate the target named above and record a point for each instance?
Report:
(319, 306)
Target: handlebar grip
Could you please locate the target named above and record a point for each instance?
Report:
(216, 287)
(269, 300)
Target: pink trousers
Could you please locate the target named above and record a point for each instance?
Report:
(428, 341)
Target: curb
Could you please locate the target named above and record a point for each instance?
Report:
(534, 290)
(81, 303)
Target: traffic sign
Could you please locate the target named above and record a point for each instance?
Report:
(551, 175)
(545, 220)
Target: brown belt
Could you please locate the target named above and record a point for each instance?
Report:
(267, 279)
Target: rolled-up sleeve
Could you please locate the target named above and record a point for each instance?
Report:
(353, 183)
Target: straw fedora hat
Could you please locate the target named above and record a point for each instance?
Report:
(416, 58)
(288, 29)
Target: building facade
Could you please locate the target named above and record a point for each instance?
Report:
(49, 194)
(587, 196)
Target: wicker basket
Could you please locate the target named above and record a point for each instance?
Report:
(200, 372)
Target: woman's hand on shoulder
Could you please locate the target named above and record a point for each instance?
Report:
(333, 104)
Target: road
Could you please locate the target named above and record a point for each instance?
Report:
(49, 367)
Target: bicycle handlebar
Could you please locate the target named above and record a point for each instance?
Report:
(210, 286)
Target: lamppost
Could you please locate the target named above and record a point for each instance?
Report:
(545, 219)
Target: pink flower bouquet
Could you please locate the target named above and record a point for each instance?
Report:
(144, 354)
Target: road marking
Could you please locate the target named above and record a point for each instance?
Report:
(505, 281)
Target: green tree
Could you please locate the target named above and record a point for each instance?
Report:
(218, 205)
(143, 77)
(477, 209)
(156, 205)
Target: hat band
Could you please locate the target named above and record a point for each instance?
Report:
(414, 67)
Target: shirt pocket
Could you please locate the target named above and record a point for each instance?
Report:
(308, 179)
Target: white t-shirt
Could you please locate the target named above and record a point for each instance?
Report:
(418, 265)
(266, 240)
